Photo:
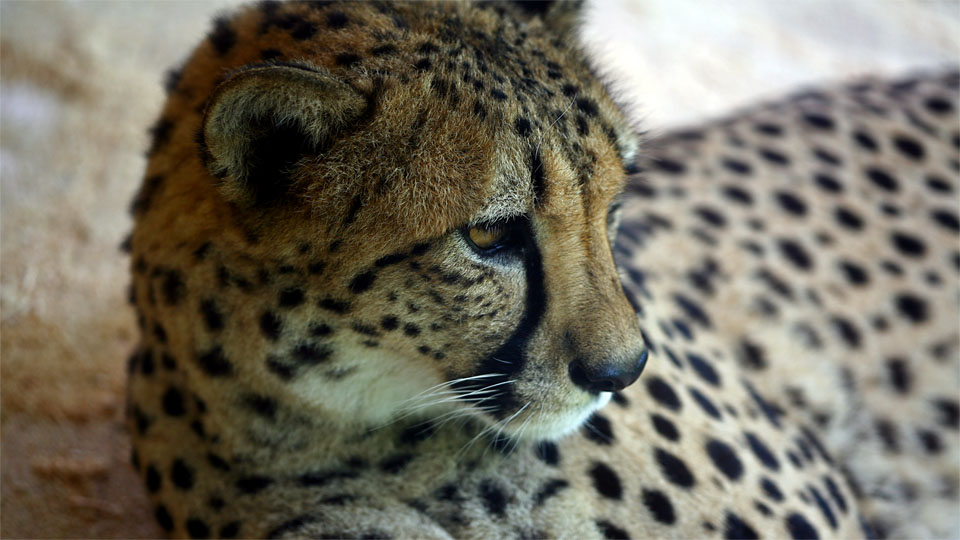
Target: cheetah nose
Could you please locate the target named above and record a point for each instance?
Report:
(606, 377)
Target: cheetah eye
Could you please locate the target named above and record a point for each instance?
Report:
(487, 238)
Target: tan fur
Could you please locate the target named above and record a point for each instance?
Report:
(294, 347)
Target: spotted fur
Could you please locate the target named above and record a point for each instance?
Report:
(324, 353)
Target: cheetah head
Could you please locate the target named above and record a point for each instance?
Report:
(438, 228)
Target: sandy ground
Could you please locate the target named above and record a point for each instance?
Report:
(79, 84)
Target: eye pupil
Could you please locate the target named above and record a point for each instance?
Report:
(485, 237)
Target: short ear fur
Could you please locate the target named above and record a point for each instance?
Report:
(262, 121)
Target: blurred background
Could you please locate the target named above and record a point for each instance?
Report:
(81, 81)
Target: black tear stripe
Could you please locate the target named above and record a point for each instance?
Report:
(514, 349)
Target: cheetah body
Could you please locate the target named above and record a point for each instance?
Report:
(327, 351)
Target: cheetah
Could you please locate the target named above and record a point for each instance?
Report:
(405, 270)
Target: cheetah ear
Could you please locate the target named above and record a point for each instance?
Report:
(263, 121)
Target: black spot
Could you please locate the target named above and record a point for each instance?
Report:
(912, 307)
(854, 273)
(931, 441)
(771, 489)
(883, 180)
(611, 531)
(791, 203)
(665, 427)
(154, 480)
(774, 156)
(824, 507)
(703, 369)
(217, 462)
(735, 165)
(725, 459)
(173, 402)
(826, 157)
(309, 354)
(819, 121)
(214, 363)
(909, 147)
(947, 220)
(146, 362)
(337, 306)
(949, 411)
(762, 452)
(270, 326)
(290, 297)
(771, 412)
(587, 106)
(549, 489)
(211, 315)
(908, 245)
(620, 399)
(606, 481)
(498, 94)
(899, 375)
(737, 528)
(172, 287)
(264, 406)
(769, 129)
(389, 323)
(888, 435)
(303, 29)
(659, 505)
(411, 330)
(661, 391)
(251, 485)
(230, 530)
(197, 528)
(795, 253)
(346, 59)
(493, 497)
(395, 464)
(836, 494)
(597, 428)
(222, 37)
(417, 433)
(163, 518)
(800, 528)
(848, 219)
(182, 475)
(847, 331)
(865, 141)
(828, 183)
(738, 195)
(337, 20)
(383, 50)
(320, 330)
(522, 125)
(705, 403)
(547, 452)
(751, 355)
(669, 165)
(673, 468)
(938, 105)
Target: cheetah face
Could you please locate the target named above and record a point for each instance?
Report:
(467, 268)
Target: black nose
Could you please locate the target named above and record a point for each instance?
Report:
(606, 376)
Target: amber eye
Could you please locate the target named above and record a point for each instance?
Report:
(486, 237)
